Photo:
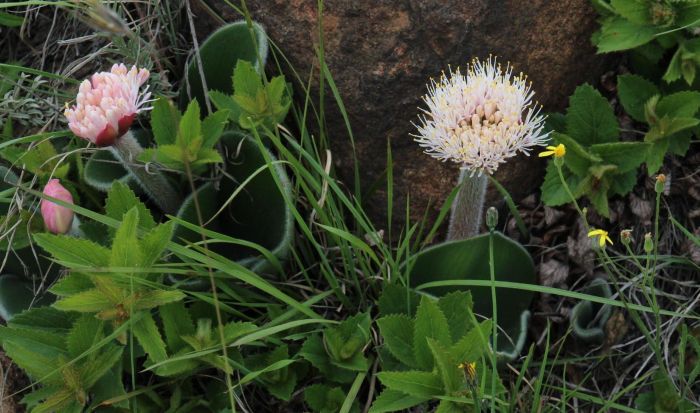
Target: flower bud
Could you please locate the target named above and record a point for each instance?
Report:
(648, 243)
(626, 236)
(58, 219)
(492, 218)
(660, 183)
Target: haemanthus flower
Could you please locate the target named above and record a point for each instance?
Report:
(480, 119)
(58, 219)
(107, 104)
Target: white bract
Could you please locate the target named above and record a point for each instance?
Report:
(481, 119)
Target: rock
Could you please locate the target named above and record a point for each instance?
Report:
(382, 53)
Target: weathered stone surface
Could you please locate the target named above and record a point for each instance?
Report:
(382, 53)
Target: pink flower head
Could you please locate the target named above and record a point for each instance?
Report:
(58, 219)
(107, 104)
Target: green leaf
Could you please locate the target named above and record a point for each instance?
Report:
(553, 191)
(666, 127)
(324, 399)
(190, 126)
(10, 20)
(577, 159)
(176, 323)
(32, 360)
(246, 79)
(636, 11)
(457, 307)
(239, 43)
(618, 34)
(655, 157)
(398, 299)
(86, 332)
(683, 104)
(165, 120)
(599, 198)
(623, 183)
(414, 383)
(155, 298)
(74, 251)
(346, 341)
(97, 367)
(89, 301)
(147, 334)
(72, 283)
(634, 91)
(212, 128)
(430, 323)
(472, 345)
(236, 329)
(121, 199)
(627, 156)
(126, 248)
(397, 331)
(451, 375)
(590, 119)
(155, 242)
(48, 319)
(314, 352)
(226, 103)
(394, 400)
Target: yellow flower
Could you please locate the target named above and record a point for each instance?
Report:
(602, 236)
(558, 151)
(469, 369)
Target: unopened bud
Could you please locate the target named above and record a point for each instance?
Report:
(660, 183)
(648, 243)
(626, 236)
(492, 218)
(58, 219)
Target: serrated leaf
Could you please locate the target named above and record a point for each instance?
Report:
(86, 332)
(430, 323)
(236, 329)
(457, 307)
(589, 118)
(98, 366)
(246, 80)
(72, 283)
(683, 104)
(314, 352)
(148, 336)
(656, 154)
(224, 102)
(176, 323)
(397, 332)
(155, 298)
(126, 248)
(636, 11)
(165, 120)
(190, 127)
(618, 34)
(212, 128)
(451, 375)
(44, 318)
(472, 345)
(74, 251)
(634, 91)
(155, 242)
(121, 199)
(414, 383)
(324, 399)
(398, 299)
(623, 183)
(394, 400)
(626, 156)
(89, 301)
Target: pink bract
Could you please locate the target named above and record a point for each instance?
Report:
(107, 104)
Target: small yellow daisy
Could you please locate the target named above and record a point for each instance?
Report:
(602, 236)
(557, 151)
(469, 369)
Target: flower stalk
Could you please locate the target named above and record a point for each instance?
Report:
(127, 149)
(468, 207)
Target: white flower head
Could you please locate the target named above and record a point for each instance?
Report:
(481, 119)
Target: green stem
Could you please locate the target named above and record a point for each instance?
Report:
(468, 206)
(511, 206)
(494, 309)
(127, 149)
(571, 195)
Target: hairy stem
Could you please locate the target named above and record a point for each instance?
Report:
(127, 149)
(468, 206)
